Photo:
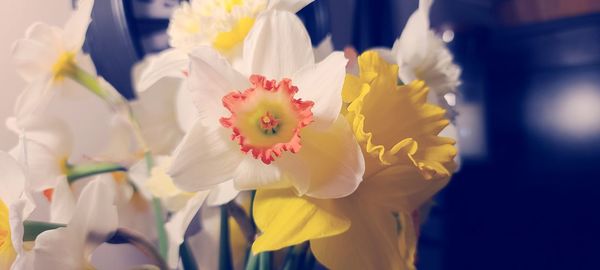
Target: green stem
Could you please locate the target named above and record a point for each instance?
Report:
(252, 261)
(159, 218)
(81, 171)
(34, 228)
(88, 80)
(292, 259)
(225, 249)
(265, 260)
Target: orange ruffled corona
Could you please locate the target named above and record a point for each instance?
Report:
(266, 119)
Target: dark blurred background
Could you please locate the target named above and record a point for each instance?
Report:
(529, 117)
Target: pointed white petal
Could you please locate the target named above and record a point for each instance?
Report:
(169, 63)
(12, 178)
(335, 161)
(204, 158)
(292, 6)
(322, 84)
(211, 78)
(277, 46)
(63, 202)
(179, 223)
(324, 49)
(156, 111)
(94, 220)
(222, 194)
(77, 25)
(286, 171)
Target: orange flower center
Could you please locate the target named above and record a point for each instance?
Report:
(266, 119)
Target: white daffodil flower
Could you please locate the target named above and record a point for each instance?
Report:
(93, 221)
(275, 122)
(15, 206)
(48, 54)
(44, 149)
(423, 55)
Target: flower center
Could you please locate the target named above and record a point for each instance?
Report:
(222, 24)
(5, 241)
(266, 119)
(269, 124)
(64, 66)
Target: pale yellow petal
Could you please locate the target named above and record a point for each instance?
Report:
(370, 243)
(286, 219)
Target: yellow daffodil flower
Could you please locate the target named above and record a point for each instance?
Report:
(406, 163)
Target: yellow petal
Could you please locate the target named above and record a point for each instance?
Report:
(402, 187)
(286, 219)
(7, 252)
(370, 243)
(407, 241)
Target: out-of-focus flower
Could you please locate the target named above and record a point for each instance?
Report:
(422, 55)
(48, 54)
(284, 123)
(93, 221)
(15, 207)
(221, 25)
(44, 149)
(182, 204)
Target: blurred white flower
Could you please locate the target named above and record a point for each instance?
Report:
(423, 55)
(44, 148)
(93, 221)
(48, 54)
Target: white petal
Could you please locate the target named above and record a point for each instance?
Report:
(17, 214)
(63, 202)
(322, 84)
(156, 111)
(33, 60)
(95, 218)
(286, 171)
(42, 165)
(324, 49)
(77, 25)
(211, 78)
(169, 63)
(277, 46)
(335, 161)
(178, 224)
(411, 48)
(292, 6)
(187, 113)
(385, 53)
(222, 194)
(12, 178)
(204, 158)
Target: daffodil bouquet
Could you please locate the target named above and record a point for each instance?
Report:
(247, 148)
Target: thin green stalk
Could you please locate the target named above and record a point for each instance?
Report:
(31, 229)
(225, 248)
(81, 171)
(87, 80)
(265, 260)
(252, 261)
(159, 217)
